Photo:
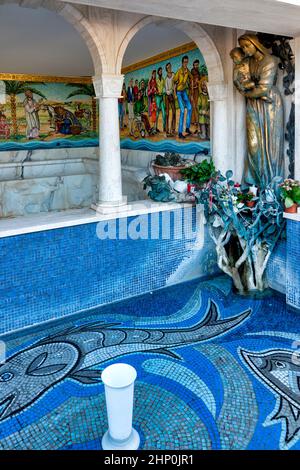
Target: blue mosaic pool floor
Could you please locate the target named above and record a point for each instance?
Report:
(215, 371)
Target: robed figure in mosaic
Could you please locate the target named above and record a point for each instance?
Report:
(265, 121)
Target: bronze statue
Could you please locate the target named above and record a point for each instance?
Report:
(255, 77)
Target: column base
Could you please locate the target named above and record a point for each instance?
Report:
(111, 207)
(132, 443)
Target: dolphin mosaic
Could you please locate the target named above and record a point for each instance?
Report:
(279, 369)
(73, 353)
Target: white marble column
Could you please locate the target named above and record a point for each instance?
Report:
(218, 94)
(297, 106)
(108, 89)
(236, 111)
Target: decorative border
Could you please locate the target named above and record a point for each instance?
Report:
(159, 57)
(43, 78)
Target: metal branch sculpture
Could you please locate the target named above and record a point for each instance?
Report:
(244, 236)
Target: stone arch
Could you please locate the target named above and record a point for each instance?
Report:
(79, 22)
(195, 31)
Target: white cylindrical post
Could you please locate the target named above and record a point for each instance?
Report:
(110, 177)
(119, 381)
(108, 90)
(218, 93)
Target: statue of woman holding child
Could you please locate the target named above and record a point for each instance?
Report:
(255, 77)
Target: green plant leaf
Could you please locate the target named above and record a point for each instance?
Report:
(288, 202)
(296, 194)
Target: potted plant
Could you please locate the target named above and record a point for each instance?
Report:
(200, 174)
(246, 198)
(172, 164)
(290, 193)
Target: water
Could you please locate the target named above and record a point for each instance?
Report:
(166, 145)
(203, 396)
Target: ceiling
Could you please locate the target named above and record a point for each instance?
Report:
(38, 41)
(270, 16)
(152, 40)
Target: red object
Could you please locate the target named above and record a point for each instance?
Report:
(292, 209)
(152, 87)
(191, 188)
(210, 199)
(153, 109)
(58, 126)
(135, 92)
(250, 203)
(4, 126)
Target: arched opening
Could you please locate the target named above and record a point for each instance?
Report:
(43, 27)
(41, 42)
(144, 56)
(48, 111)
(175, 115)
(194, 31)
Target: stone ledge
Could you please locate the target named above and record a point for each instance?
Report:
(53, 220)
(11, 171)
(294, 217)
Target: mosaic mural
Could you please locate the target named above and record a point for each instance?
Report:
(214, 379)
(164, 106)
(165, 102)
(47, 112)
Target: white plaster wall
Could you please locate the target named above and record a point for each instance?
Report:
(46, 180)
(40, 155)
(287, 103)
(270, 16)
(109, 29)
(37, 195)
(59, 179)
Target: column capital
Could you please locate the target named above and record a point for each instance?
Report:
(217, 91)
(108, 85)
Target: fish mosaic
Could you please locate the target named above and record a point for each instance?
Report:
(213, 373)
(75, 352)
(279, 369)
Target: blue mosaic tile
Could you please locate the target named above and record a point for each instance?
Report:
(292, 264)
(51, 274)
(276, 268)
(223, 375)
